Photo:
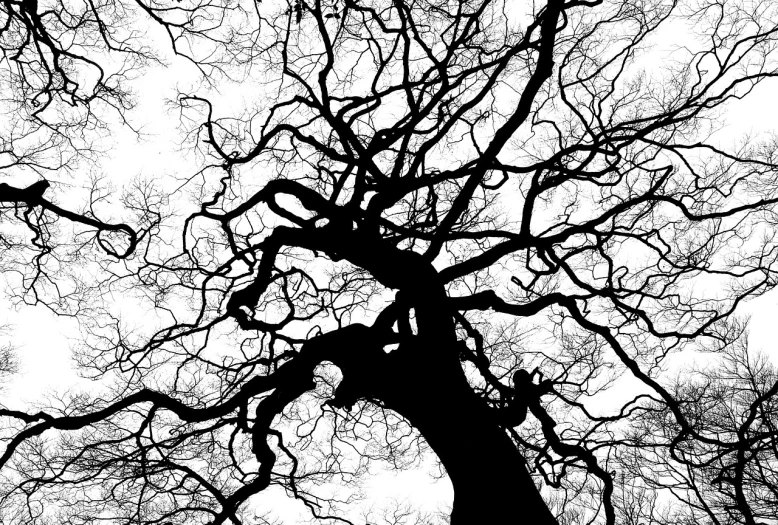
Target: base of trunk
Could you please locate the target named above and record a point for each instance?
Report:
(490, 479)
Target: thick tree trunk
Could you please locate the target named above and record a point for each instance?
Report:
(424, 382)
(490, 479)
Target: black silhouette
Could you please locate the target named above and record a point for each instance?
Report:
(494, 230)
(526, 395)
(30, 195)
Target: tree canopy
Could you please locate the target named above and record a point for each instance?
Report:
(510, 236)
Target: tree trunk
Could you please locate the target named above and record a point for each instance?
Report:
(424, 382)
(490, 479)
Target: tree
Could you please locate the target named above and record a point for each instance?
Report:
(464, 227)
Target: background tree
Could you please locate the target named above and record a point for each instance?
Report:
(464, 227)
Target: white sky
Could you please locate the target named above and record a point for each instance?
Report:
(43, 341)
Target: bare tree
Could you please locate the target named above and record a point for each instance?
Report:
(455, 227)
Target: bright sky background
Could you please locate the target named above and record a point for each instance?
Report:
(43, 341)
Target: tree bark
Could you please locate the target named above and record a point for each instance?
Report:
(491, 482)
